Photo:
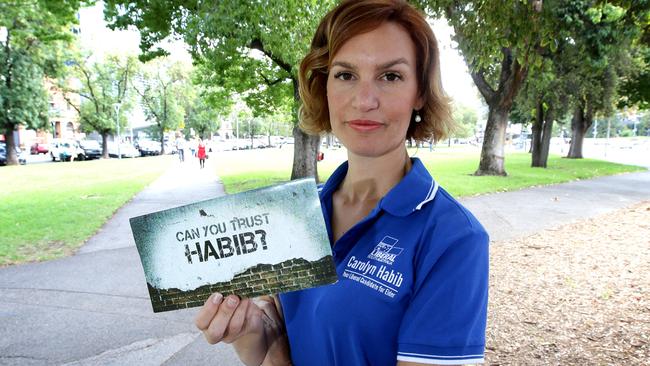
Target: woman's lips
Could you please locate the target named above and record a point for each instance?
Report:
(364, 125)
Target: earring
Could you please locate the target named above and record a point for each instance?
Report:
(418, 119)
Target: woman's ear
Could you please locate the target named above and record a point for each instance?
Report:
(419, 103)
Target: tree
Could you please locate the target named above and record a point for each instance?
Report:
(35, 33)
(202, 117)
(602, 36)
(499, 41)
(106, 94)
(543, 98)
(23, 98)
(206, 107)
(466, 119)
(635, 87)
(163, 87)
(249, 48)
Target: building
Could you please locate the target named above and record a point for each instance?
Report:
(63, 120)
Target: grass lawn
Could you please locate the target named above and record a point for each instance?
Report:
(451, 167)
(49, 210)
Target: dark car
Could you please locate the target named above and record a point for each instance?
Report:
(39, 148)
(3, 155)
(149, 148)
(91, 148)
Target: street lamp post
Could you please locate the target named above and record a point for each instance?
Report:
(117, 123)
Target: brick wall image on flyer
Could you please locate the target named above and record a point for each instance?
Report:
(263, 279)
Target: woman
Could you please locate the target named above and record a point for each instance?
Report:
(201, 153)
(372, 78)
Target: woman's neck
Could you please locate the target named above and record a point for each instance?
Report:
(370, 178)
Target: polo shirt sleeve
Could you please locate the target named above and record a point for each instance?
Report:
(446, 318)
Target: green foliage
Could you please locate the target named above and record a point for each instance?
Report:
(165, 89)
(34, 36)
(249, 48)
(466, 119)
(635, 87)
(483, 29)
(202, 117)
(103, 85)
(23, 99)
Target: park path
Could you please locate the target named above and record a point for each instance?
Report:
(93, 308)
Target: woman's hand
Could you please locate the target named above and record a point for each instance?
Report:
(226, 320)
(254, 327)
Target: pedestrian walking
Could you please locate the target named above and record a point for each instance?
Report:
(180, 148)
(201, 153)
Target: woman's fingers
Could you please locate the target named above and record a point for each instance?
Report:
(227, 319)
(208, 311)
(237, 322)
(217, 329)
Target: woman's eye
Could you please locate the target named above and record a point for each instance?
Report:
(343, 75)
(392, 76)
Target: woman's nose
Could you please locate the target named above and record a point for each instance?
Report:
(366, 97)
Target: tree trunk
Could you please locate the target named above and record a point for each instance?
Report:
(492, 151)
(162, 144)
(305, 151)
(546, 136)
(542, 130)
(305, 147)
(499, 100)
(536, 141)
(12, 158)
(580, 124)
(104, 145)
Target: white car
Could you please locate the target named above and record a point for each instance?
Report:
(126, 150)
(65, 150)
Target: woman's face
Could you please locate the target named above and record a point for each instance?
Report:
(372, 91)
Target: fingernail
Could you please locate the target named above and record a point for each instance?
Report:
(232, 301)
(216, 298)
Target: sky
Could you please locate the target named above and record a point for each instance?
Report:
(455, 78)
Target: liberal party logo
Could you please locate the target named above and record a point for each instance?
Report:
(386, 251)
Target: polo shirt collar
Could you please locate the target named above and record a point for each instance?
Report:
(409, 195)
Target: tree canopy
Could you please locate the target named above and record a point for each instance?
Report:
(249, 48)
(35, 35)
(500, 42)
(165, 90)
(105, 91)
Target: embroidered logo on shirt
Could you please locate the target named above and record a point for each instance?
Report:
(386, 251)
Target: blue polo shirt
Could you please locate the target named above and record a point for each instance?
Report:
(413, 283)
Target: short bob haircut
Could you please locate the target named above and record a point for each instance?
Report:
(351, 18)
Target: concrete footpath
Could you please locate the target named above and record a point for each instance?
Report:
(93, 308)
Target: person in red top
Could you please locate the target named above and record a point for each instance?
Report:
(201, 153)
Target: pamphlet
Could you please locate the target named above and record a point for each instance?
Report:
(253, 243)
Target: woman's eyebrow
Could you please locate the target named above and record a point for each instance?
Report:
(392, 63)
(385, 65)
(343, 64)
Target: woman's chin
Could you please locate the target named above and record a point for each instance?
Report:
(371, 151)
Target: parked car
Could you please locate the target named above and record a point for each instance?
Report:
(22, 159)
(91, 148)
(39, 148)
(65, 150)
(149, 147)
(126, 150)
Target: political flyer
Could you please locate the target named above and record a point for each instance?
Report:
(253, 243)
